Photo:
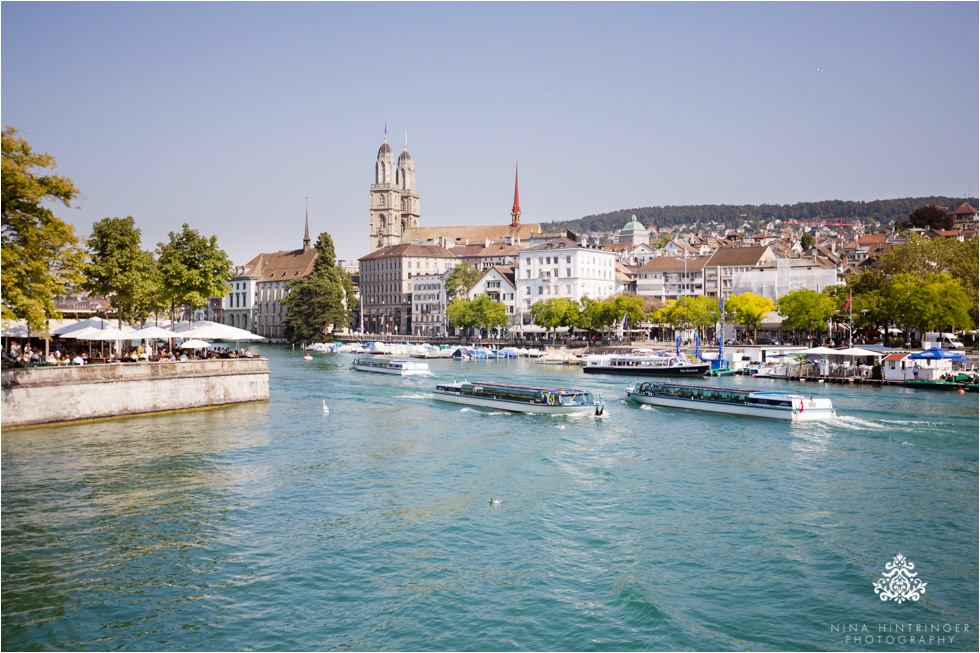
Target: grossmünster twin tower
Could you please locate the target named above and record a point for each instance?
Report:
(395, 211)
(394, 200)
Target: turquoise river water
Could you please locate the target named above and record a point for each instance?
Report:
(279, 527)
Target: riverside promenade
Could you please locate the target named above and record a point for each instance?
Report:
(54, 395)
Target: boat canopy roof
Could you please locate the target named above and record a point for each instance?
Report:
(506, 386)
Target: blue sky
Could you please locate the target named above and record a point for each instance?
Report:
(227, 116)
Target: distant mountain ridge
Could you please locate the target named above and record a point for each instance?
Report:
(733, 216)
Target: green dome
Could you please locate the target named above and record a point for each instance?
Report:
(633, 226)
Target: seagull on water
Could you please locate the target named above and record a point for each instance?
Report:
(560, 426)
(492, 500)
(326, 411)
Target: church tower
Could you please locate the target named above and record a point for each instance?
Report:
(394, 200)
(405, 180)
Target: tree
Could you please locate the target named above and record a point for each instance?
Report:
(193, 268)
(594, 315)
(926, 217)
(460, 315)
(807, 241)
(488, 313)
(318, 300)
(806, 310)
(463, 277)
(748, 309)
(933, 303)
(550, 313)
(119, 269)
(40, 253)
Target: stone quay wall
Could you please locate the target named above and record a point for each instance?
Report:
(51, 395)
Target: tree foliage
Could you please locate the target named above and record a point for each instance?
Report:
(806, 310)
(934, 303)
(479, 312)
(321, 299)
(40, 253)
(748, 309)
(929, 216)
(119, 269)
(807, 241)
(193, 268)
(463, 277)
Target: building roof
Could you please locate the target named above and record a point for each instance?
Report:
(895, 357)
(559, 243)
(665, 263)
(633, 226)
(965, 209)
(737, 256)
(495, 233)
(617, 247)
(281, 266)
(402, 251)
(499, 249)
(505, 271)
(872, 239)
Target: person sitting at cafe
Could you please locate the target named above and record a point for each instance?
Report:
(78, 360)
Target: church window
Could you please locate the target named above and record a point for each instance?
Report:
(381, 200)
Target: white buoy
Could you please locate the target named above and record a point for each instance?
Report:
(325, 409)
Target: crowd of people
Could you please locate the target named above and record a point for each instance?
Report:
(17, 355)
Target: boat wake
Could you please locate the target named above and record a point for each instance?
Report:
(859, 424)
(414, 396)
(485, 412)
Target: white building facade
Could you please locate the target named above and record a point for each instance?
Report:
(563, 268)
(429, 301)
(497, 283)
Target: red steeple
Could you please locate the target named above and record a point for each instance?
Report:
(515, 213)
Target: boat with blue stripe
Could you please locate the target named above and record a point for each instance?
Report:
(731, 401)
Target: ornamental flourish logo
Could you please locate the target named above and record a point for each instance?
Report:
(899, 582)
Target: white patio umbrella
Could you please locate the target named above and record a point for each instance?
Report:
(155, 333)
(857, 351)
(193, 344)
(109, 334)
(96, 322)
(822, 351)
(220, 332)
(85, 333)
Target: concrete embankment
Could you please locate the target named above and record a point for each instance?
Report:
(52, 395)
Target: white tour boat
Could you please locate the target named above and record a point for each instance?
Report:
(780, 405)
(643, 365)
(520, 398)
(389, 365)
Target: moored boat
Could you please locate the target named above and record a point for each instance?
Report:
(778, 405)
(389, 365)
(519, 398)
(644, 365)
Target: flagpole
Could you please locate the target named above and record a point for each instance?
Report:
(850, 318)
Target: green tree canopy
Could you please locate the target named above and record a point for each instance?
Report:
(321, 299)
(40, 253)
(933, 303)
(748, 309)
(463, 277)
(806, 310)
(119, 269)
(193, 268)
(460, 314)
(807, 241)
(488, 313)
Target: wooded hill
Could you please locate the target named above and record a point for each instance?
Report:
(732, 217)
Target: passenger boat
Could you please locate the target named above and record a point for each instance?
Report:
(643, 365)
(389, 365)
(520, 398)
(779, 405)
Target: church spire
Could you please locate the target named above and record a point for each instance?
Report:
(515, 213)
(306, 234)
